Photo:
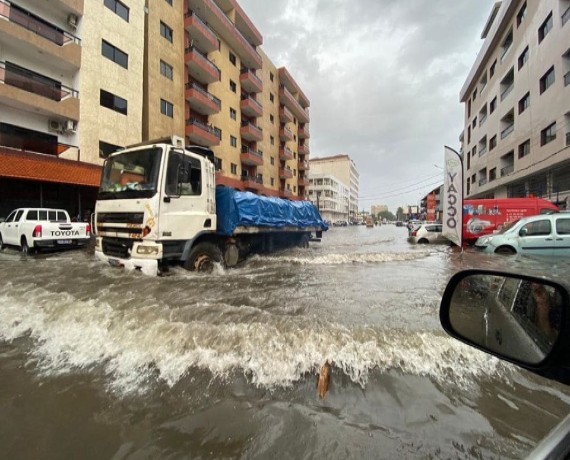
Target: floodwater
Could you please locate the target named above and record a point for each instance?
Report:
(99, 363)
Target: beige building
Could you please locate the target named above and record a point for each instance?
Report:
(344, 169)
(375, 209)
(81, 79)
(516, 138)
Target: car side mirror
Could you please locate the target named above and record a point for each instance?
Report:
(523, 231)
(518, 318)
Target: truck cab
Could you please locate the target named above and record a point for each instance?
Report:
(154, 200)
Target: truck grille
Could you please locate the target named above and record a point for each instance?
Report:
(120, 224)
(117, 247)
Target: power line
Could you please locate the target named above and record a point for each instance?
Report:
(377, 197)
(403, 189)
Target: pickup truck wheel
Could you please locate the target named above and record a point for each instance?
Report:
(25, 247)
(423, 241)
(505, 251)
(203, 257)
(1, 243)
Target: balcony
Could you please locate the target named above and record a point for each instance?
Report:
(36, 93)
(303, 182)
(507, 91)
(201, 100)
(250, 132)
(566, 16)
(251, 182)
(508, 130)
(285, 192)
(202, 36)
(285, 115)
(482, 151)
(482, 181)
(285, 173)
(303, 166)
(250, 157)
(202, 134)
(200, 67)
(250, 82)
(304, 149)
(567, 79)
(285, 134)
(303, 131)
(27, 32)
(568, 138)
(507, 170)
(213, 15)
(287, 99)
(285, 153)
(250, 107)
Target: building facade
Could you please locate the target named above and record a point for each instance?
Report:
(516, 136)
(345, 171)
(81, 79)
(378, 208)
(330, 195)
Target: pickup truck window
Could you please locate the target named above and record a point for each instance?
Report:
(32, 214)
(11, 216)
(42, 215)
(18, 215)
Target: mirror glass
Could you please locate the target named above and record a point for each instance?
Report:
(507, 315)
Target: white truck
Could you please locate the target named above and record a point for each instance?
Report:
(32, 229)
(158, 205)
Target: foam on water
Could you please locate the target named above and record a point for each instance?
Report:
(339, 258)
(140, 346)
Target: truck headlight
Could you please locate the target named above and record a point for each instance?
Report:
(147, 250)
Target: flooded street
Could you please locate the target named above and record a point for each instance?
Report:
(99, 363)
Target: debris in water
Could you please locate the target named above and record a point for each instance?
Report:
(324, 380)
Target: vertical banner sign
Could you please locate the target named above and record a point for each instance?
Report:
(431, 202)
(452, 218)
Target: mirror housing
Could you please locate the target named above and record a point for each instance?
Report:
(517, 318)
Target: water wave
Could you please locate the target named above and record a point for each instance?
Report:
(340, 259)
(145, 345)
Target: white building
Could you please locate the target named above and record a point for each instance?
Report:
(330, 196)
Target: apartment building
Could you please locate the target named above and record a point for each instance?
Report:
(83, 79)
(330, 195)
(344, 169)
(516, 135)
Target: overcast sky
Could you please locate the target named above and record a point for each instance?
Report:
(383, 79)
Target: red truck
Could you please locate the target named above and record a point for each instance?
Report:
(481, 217)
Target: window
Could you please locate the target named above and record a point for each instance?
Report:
(271, 119)
(548, 134)
(272, 140)
(233, 86)
(233, 168)
(271, 97)
(545, 27)
(536, 228)
(118, 8)
(524, 103)
(474, 124)
(105, 149)
(547, 80)
(116, 103)
(233, 114)
(523, 58)
(492, 174)
(233, 59)
(270, 76)
(521, 14)
(272, 181)
(166, 108)
(166, 70)
(272, 160)
(166, 31)
(507, 43)
(492, 69)
(524, 149)
(475, 94)
(493, 105)
(233, 141)
(492, 142)
(114, 54)
(183, 175)
(563, 226)
(169, 2)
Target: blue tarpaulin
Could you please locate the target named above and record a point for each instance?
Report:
(235, 209)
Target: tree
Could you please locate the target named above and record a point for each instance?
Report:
(400, 213)
(386, 215)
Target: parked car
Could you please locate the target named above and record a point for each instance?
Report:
(545, 235)
(36, 228)
(494, 312)
(427, 234)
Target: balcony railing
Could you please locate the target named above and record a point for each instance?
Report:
(482, 151)
(567, 79)
(203, 57)
(506, 92)
(214, 99)
(568, 138)
(209, 128)
(508, 130)
(36, 25)
(252, 179)
(35, 83)
(507, 170)
(566, 16)
(482, 181)
(285, 153)
(251, 82)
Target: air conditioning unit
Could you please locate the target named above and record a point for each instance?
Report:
(55, 126)
(72, 21)
(70, 126)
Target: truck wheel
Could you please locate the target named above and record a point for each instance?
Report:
(304, 241)
(505, 251)
(203, 257)
(25, 248)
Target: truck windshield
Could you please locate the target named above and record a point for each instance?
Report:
(131, 174)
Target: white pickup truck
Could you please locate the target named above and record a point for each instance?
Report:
(31, 229)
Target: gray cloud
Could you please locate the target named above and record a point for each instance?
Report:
(383, 78)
